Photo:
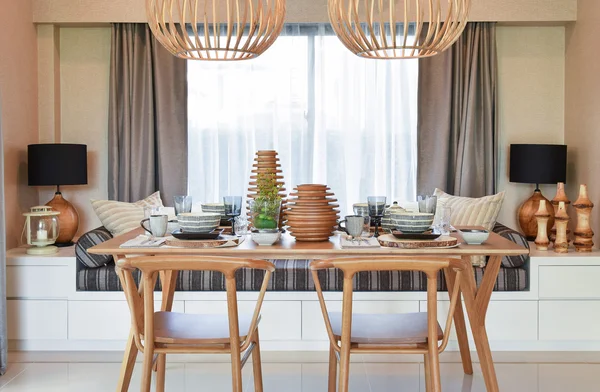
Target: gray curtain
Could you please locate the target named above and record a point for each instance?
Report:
(147, 132)
(3, 332)
(457, 116)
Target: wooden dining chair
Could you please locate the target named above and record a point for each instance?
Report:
(161, 333)
(409, 333)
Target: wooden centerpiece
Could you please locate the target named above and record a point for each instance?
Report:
(583, 232)
(542, 216)
(312, 213)
(561, 244)
(266, 163)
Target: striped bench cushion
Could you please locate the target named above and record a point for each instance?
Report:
(294, 275)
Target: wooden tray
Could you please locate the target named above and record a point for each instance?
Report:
(226, 241)
(444, 241)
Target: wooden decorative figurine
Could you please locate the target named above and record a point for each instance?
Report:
(583, 232)
(560, 196)
(561, 244)
(542, 216)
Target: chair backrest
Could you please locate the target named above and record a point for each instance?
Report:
(141, 299)
(350, 266)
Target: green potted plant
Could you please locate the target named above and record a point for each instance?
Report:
(266, 207)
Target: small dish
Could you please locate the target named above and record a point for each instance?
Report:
(181, 235)
(262, 238)
(474, 236)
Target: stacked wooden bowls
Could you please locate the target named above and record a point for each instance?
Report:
(312, 214)
(267, 162)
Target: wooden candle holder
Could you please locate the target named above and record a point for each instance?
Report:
(583, 232)
(560, 196)
(542, 216)
(561, 244)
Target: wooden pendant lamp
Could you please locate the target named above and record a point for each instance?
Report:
(397, 29)
(216, 29)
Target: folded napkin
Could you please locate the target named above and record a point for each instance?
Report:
(346, 242)
(144, 241)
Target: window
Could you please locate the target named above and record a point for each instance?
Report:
(334, 119)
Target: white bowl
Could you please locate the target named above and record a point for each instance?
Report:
(265, 238)
(474, 236)
(199, 217)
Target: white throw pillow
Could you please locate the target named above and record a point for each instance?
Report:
(469, 211)
(120, 217)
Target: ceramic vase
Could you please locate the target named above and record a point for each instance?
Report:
(561, 244)
(560, 196)
(542, 216)
(583, 232)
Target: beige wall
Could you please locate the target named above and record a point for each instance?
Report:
(84, 73)
(18, 97)
(105, 11)
(582, 105)
(531, 69)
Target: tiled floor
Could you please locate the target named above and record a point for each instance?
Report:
(303, 377)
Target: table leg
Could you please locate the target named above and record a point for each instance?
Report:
(459, 324)
(477, 301)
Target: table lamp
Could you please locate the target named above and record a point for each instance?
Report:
(59, 164)
(536, 164)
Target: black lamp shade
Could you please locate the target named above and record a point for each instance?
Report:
(538, 163)
(57, 164)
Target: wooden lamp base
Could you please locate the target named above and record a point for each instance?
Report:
(68, 220)
(527, 219)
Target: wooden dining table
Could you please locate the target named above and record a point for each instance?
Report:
(476, 299)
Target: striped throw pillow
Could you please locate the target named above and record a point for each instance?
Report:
(469, 211)
(120, 217)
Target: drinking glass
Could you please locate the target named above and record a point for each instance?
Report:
(233, 208)
(366, 233)
(376, 209)
(149, 211)
(183, 204)
(427, 203)
(240, 225)
(442, 225)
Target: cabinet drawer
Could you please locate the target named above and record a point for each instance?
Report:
(569, 320)
(313, 325)
(38, 282)
(103, 320)
(569, 282)
(280, 320)
(36, 319)
(505, 320)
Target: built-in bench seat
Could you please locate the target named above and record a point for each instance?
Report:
(294, 275)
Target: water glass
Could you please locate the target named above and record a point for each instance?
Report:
(149, 211)
(442, 225)
(240, 225)
(376, 210)
(427, 203)
(183, 204)
(233, 205)
(366, 232)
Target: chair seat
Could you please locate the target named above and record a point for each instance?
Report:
(183, 328)
(404, 328)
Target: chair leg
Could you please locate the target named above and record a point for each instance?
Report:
(344, 368)
(332, 369)
(434, 368)
(147, 368)
(427, 367)
(161, 364)
(236, 369)
(256, 364)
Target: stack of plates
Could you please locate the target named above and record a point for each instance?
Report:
(216, 208)
(267, 162)
(312, 213)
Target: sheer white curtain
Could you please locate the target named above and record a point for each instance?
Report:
(333, 117)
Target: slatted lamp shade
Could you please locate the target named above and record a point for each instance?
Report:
(216, 29)
(397, 29)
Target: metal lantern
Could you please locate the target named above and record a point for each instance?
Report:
(41, 229)
(216, 29)
(395, 29)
